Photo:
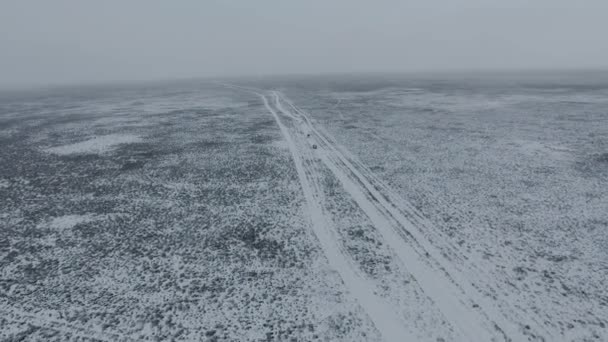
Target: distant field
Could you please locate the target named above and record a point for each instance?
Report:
(349, 208)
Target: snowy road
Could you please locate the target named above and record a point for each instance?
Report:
(470, 315)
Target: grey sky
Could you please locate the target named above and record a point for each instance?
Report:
(65, 41)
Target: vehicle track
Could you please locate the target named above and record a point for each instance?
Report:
(472, 316)
(478, 280)
(384, 318)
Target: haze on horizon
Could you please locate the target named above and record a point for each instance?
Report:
(71, 41)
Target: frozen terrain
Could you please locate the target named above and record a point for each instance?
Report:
(346, 208)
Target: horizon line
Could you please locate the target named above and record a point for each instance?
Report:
(32, 86)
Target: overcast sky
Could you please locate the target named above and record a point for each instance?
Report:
(70, 41)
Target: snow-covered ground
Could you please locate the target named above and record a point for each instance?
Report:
(334, 209)
(95, 145)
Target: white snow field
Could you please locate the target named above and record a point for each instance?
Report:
(344, 208)
(99, 144)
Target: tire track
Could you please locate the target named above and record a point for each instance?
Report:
(382, 315)
(531, 325)
(474, 316)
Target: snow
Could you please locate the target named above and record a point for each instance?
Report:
(96, 145)
(429, 211)
(539, 149)
(66, 222)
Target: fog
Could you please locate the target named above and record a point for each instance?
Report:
(71, 41)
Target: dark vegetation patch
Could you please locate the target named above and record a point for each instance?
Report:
(53, 120)
(135, 165)
(186, 113)
(209, 144)
(266, 248)
(594, 165)
(14, 122)
(545, 170)
(257, 127)
(261, 139)
(80, 158)
(144, 151)
(602, 158)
